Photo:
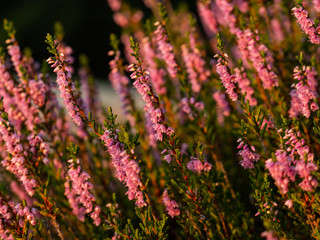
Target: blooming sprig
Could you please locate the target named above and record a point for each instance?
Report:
(244, 85)
(208, 18)
(17, 101)
(222, 106)
(259, 55)
(195, 67)
(249, 157)
(281, 170)
(228, 80)
(187, 106)
(293, 159)
(16, 161)
(172, 206)
(66, 86)
(127, 169)
(14, 219)
(80, 193)
(198, 166)
(120, 83)
(152, 104)
(304, 95)
(166, 50)
(228, 16)
(156, 74)
(307, 24)
(316, 4)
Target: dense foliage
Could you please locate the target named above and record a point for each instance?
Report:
(225, 146)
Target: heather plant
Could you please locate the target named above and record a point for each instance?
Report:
(219, 137)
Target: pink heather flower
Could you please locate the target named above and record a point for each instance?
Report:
(297, 145)
(250, 48)
(74, 204)
(282, 171)
(166, 50)
(38, 147)
(244, 85)
(277, 33)
(247, 154)
(17, 101)
(120, 84)
(289, 203)
(186, 105)
(80, 193)
(156, 74)
(171, 205)
(243, 5)
(267, 122)
(316, 4)
(67, 54)
(306, 24)
(66, 87)
(169, 155)
(268, 235)
(197, 166)
(38, 90)
(127, 169)
(223, 109)
(150, 131)
(207, 18)
(229, 18)
(115, 5)
(121, 19)
(304, 94)
(195, 67)
(298, 161)
(227, 79)
(10, 213)
(141, 83)
(304, 171)
(16, 56)
(16, 162)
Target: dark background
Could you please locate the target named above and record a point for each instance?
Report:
(87, 24)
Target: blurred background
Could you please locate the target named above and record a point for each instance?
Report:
(87, 25)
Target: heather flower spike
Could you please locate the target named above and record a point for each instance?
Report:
(66, 86)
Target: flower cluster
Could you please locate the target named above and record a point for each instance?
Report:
(227, 79)
(166, 50)
(80, 193)
(143, 87)
(127, 169)
(195, 66)
(207, 18)
(248, 155)
(304, 94)
(244, 85)
(295, 159)
(252, 50)
(223, 109)
(197, 166)
(14, 217)
(156, 74)
(307, 24)
(281, 170)
(188, 104)
(172, 206)
(66, 87)
(120, 84)
(16, 162)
